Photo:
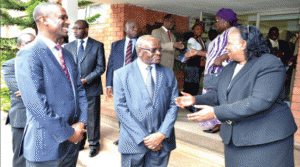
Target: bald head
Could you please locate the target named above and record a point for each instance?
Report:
(44, 9)
(24, 39)
(148, 49)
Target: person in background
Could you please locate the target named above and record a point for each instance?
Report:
(279, 48)
(89, 56)
(167, 41)
(212, 34)
(17, 112)
(194, 65)
(122, 53)
(144, 100)
(216, 56)
(52, 92)
(258, 126)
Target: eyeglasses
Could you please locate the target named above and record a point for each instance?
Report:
(152, 50)
(77, 28)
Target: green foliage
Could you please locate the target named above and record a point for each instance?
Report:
(8, 49)
(83, 3)
(5, 99)
(92, 18)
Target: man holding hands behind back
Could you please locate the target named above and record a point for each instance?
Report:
(144, 98)
(52, 92)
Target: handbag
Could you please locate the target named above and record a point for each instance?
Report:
(210, 80)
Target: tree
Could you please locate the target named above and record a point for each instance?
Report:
(28, 7)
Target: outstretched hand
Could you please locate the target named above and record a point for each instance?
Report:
(185, 100)
(206, 113)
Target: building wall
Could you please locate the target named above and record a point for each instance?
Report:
(111, 26)
(295, 103)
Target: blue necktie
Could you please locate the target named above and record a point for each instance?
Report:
(80, 54)
(150, 82)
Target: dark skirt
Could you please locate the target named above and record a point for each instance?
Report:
(275, 154)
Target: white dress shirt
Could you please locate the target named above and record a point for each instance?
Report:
(84, 43)
(143, 69)
(51, 45)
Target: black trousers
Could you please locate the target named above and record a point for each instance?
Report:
(93, 123)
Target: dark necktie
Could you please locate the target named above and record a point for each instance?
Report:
(150, 82)
(128, 53)
(169, 35)
(62, 62)
(80, 54)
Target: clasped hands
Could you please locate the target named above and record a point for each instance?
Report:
(154, 141)
(78, 132)
(205, 113)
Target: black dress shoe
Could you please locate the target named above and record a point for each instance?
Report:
(116, 142)
(94, 152)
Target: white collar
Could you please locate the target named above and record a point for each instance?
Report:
(165, 28)
(47, 41)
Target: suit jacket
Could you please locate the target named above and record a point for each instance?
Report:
(251, 105)
(140, 116)
(284, 47)
(116, 60)
(92, 65)
(17, 112)
(53, 103)
(167, 58)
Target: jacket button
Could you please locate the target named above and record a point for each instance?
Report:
(229, 122)
(225, 98)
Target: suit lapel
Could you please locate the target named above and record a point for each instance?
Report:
(245, 69)
(158, 82)
(121, 51)
(137, 76)
(74, 50)
(88, 47)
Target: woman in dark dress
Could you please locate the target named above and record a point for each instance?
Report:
(257, 125)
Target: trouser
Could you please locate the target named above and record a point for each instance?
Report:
(93, 123)
(18, 160)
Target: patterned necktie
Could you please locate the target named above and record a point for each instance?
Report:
(150, 82)
(169, 35)
(128, 53)
(62, 62)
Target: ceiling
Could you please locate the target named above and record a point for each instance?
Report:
(193, 8)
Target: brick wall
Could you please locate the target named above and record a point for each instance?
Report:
(111, 28)
(295, 103)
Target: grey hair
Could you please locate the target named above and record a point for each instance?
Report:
(43, 9)
(143, 40)
(20, 38)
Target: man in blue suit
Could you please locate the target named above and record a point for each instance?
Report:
(89, 56)
(144, 94)
(17, 112)
(52, 92)
(122, 53)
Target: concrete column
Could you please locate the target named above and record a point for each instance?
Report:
(257, 20)
(71, 7)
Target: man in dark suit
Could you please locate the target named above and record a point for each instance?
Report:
(17, 112)
(122, 53)
(52, 93)
(144, 99)
(89, 56)
(278, 47)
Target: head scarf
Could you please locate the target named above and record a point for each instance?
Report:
(229, 15)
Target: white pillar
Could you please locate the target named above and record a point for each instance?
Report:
(257, 20)
(71, 7)
(201, 16)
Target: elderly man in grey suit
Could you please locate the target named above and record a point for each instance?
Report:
(89, 56)
(167, 41)
(144, 99)
(17, 112)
